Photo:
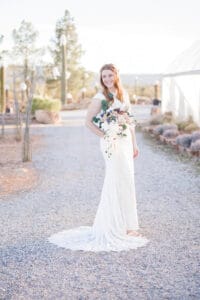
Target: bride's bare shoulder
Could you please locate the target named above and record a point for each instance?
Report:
(97, 98)
(95, 104)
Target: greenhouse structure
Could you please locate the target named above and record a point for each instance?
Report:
(181, 85)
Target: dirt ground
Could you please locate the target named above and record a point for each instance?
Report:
(16, 175)
(71, 172)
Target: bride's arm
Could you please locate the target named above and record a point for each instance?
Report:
(93, 109)
(132, 127)
(135, 146)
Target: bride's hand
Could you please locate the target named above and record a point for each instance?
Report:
(135, 152)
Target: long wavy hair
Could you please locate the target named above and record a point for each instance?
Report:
(117, 82)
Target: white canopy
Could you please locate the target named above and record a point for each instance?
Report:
(181, 85)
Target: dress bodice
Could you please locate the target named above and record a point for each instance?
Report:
(116, 103)
(126, 105)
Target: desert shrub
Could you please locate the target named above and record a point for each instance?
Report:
(183, 124)
(168, 113)
(171, 133)
(195, 146)
(168, 117)
(195, 136)
(46, 104)
(191, 127)
(184, 140)
(156, 120)
(161, 128)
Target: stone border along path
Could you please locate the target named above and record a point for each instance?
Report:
(71, 171)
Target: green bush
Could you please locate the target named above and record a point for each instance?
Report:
(46, 104)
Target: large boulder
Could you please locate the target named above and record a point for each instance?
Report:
(160, 129)
(195, 146)
(195, 136)
(184, 140)
(170, 133)
(47, 117)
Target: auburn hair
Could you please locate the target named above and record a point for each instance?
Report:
(117, 82)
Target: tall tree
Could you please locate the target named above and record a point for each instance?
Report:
(24, 45)
(73, 51)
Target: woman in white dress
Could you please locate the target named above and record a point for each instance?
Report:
(116, 222)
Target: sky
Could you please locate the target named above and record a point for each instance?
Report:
(141, 36)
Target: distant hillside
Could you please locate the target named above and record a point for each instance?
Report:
(140, 79)
(136, 79)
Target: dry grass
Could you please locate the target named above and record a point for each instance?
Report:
(16, 176)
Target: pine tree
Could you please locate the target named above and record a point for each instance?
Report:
(66, 26)
(24, 45)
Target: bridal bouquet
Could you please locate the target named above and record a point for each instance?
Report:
(114, 123)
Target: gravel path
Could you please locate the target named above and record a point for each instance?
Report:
(71, 172)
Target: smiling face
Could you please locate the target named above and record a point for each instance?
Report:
(110, 81)
(108, 78)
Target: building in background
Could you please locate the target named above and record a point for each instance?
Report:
(181, 85)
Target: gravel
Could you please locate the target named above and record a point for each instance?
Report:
(71, 172)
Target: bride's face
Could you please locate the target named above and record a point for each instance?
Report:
(108, 78)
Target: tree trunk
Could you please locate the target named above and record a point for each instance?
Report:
(18, 130)
(3, 125)
(63, 76)
(25, 68)
(27, 150)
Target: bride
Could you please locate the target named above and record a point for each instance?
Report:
(115, 226)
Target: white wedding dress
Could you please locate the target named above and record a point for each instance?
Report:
(117, 210)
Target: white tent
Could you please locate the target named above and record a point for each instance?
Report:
(181, 85)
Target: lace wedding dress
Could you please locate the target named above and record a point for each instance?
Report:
(117, 210)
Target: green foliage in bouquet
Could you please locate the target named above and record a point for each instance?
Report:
(119, 121)
(104, 105)
(124, 126)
